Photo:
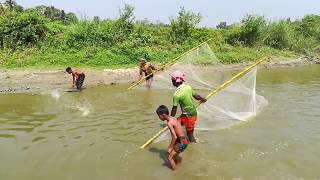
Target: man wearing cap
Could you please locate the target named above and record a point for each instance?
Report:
(183, 96)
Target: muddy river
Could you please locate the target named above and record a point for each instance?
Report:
(96, 134)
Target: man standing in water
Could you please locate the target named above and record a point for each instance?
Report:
(179, 141)
(77, 77)
(146, 68)
(183, 96)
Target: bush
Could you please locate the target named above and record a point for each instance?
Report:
(183, 25)
(21, 29)
(309, 26)
(233, 35)
(49, 36)
(252, 29)
(248, 33)
(81, 35)
(278, 35)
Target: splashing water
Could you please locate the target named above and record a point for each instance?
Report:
(84, 109)
(56, 94)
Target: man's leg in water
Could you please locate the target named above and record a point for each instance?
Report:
(188, 123)
(177, 159)
(171, 159)
(190, 136)
(191, 121)
(79, 82)
(149, 82)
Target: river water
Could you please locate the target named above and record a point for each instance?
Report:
(96, 134)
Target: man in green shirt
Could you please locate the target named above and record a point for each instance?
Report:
(183, 96)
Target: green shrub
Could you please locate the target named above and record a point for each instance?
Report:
(309, 26)
(278, 35)
(233, 35)
(252, 29)
(21, 29)
(183, 25)
(46, 36)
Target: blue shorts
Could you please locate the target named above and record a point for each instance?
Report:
(182, 144)
(181, 147)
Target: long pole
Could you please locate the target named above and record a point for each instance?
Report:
(166, 65)
(224, 85)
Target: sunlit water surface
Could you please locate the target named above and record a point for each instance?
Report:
(96, 134)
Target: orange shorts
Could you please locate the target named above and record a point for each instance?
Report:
(188, 121)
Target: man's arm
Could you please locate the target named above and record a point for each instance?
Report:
(173, 111)
(175, 104)
(153, 68)
(140, 73)
(73, 79)
(200, 98)
(173, 136)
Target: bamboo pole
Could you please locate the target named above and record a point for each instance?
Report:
(167, 65)
(224, 85)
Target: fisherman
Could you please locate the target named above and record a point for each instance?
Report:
(77, 77)
(179, 141)
(183, 96)
(146, 68)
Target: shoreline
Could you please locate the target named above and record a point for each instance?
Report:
(36, 81)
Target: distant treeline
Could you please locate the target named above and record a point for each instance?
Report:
(50, 36)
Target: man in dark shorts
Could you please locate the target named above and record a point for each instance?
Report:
(146, 68)
(77, 77)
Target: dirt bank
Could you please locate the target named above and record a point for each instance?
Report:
(21, 81)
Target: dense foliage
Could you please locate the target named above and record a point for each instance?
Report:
(43, 36)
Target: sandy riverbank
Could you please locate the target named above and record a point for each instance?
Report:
(32, 81)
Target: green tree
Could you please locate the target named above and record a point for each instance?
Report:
(96, 19)
(2, 9)
(40, 9)
(71, 18)
(278, 34)
(123, 26)
(52, 13)
(11, 4)
(63, 16)
(183, 25)
(252, 29)
(222, 25)
(55, 14)
(21, 29)
(310, 26)
(127, 13)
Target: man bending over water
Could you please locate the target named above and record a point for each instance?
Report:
(77, 77)
(179, 140)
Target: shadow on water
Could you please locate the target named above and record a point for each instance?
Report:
(162, 154)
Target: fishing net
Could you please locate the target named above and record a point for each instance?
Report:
(193, 65)
(236, 103)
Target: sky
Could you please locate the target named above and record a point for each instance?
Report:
(213, 11)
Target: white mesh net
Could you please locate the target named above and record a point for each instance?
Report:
(236, 103)
(193, 66)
